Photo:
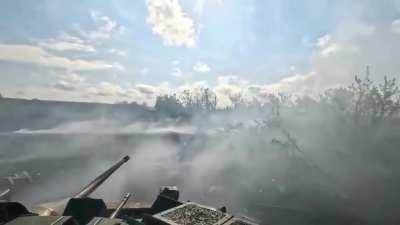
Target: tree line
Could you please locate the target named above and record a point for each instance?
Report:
(363, 100)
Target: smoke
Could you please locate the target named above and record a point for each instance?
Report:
(112, 127)
(310, 159)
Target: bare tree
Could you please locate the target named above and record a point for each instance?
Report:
(208, 100)
(385, 99)
(277, 102)
(169, 104)
(375, 103)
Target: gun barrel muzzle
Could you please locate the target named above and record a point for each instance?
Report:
(92, 186)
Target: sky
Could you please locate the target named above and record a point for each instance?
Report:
(124, 50)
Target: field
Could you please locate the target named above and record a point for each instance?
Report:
(312, 159)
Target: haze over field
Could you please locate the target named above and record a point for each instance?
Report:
(259, 106)
(295, 153)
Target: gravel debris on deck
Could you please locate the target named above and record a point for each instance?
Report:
(194, 215)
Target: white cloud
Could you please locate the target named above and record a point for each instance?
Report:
(118, 52)
(72, 78)
(75, 88)
(162, 88)
(114, 92)
(70, 38)
(337, 58)
(194, 86)
(176, 72)
(69, 82)
(118, 66)
(37, 55)
(170, 22)
(396, 26)
(225, 94)
(66, 42)
(64, 86)
(106, 89)
(346, 52)
(106, 27)
(201, 67)
(327, 46)
(330, 49)
(146, 89)
(226, 88)
(148, 93)
(86, 39)
(232, 88)
(231, 80)
(295, 84)
(323, 41)
(66, 46)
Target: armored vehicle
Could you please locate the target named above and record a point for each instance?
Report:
(81, 209)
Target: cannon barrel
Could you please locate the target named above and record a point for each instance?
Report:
(92, 186)
(120, 206)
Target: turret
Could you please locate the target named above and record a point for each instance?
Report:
(66, 206)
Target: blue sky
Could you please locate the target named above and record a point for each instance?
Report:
(123, 50)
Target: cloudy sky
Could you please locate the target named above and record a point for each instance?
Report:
(133, 50)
